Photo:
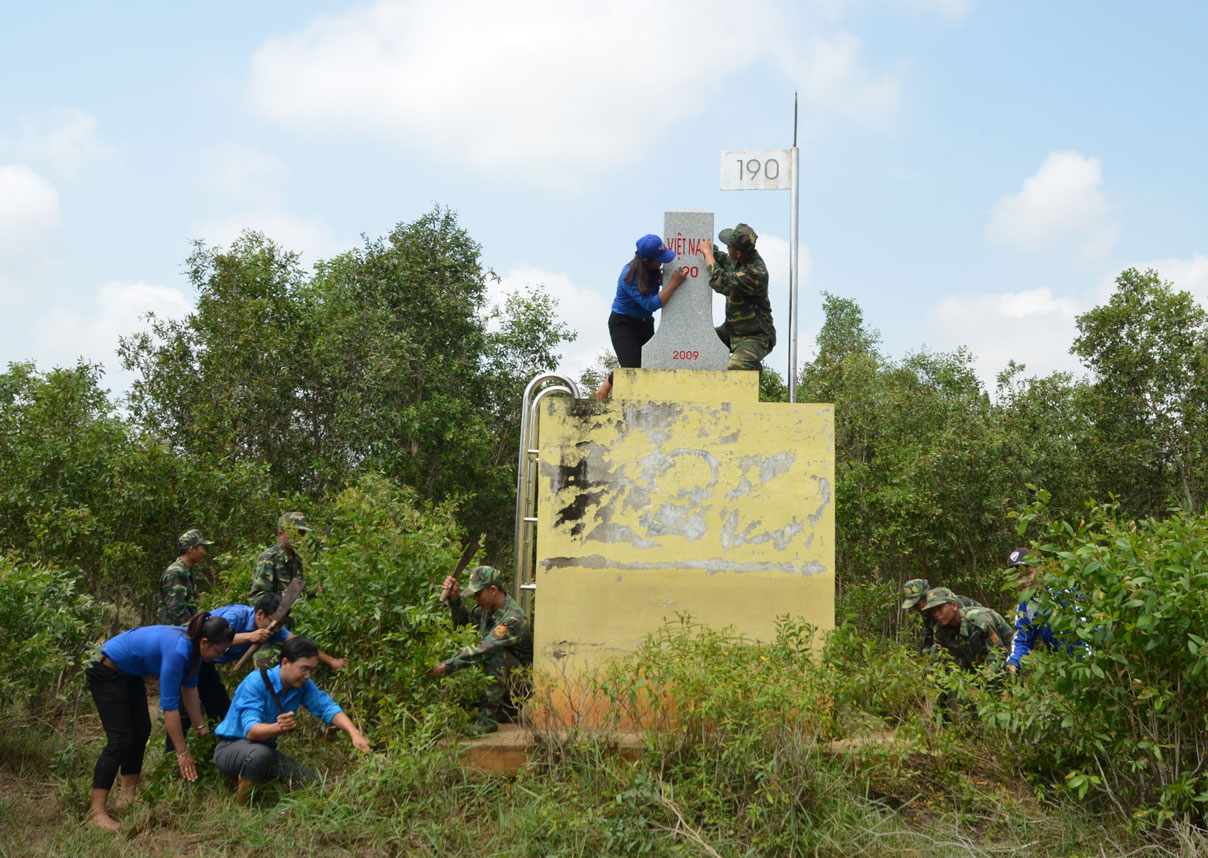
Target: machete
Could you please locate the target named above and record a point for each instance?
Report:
(291, 594)
(466, 557)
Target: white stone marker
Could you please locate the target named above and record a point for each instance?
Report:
(685, 338)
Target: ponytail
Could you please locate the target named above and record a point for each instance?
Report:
(205, 625)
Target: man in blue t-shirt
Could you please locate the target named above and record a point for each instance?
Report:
(264, 708)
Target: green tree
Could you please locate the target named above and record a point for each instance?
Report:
(386, 359)
(1147, 349)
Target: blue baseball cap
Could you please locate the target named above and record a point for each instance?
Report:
(652, 247)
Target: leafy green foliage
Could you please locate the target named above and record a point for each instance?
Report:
(1148, 349)
(385, 360)
(1122, 713)
(47, 632)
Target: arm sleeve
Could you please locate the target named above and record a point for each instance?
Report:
(319, 703)
(462, 616)
(172, 667)
(262, 578)
(248, 704)
(282, 634)
(649, 303)
(179, 599)
(507, 633)
(740, 282)
(1024, 639)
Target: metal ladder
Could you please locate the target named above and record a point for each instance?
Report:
(526, 482)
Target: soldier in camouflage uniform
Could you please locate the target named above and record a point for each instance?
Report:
(971, 635)
(506, 642)
(740, 274)
(177, 590)
(913, 593)
(177, 604)
(279, 564)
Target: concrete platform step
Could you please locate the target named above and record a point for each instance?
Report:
(510, 748)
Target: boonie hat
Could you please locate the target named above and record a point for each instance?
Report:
(741, 236)
(293, 520)
(1016, 558)
(652, 247)
(190, 538)
(938, 596)
(913, 590)
(482, 577)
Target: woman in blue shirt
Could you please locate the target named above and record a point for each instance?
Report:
(264, 707)
(631, 323)
(115, 678)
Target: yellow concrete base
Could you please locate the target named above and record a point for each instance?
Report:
(681, 495)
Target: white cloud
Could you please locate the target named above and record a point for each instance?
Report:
(831, 76)
(67, 333)
(1033, 327)
(1061, 205)
(543, 91)
(242, 172)
(310, 237)
(65, 140)
(29, 230)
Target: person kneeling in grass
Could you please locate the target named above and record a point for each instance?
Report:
(264, 707)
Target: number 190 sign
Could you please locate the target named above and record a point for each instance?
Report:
(756, 170)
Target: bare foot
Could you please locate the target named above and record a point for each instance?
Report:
(102, 820)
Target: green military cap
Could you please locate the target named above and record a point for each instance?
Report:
(482, 577)
(190, 538)
(938, 596)
(293, 521)
(741, 236)
(913, 590)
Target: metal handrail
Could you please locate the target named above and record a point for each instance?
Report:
(526, 480)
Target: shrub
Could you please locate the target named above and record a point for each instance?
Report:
(47, 631)
(1123, 717)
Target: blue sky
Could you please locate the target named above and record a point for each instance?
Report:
(972, 173)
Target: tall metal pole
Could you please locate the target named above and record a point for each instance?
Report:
(793, 198)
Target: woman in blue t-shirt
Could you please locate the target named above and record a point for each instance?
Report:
(631, 323)
(115, 678)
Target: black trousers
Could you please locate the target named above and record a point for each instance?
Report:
(121, 701)
(629, 334)
(214, 700)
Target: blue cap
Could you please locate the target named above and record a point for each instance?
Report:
(652, 247)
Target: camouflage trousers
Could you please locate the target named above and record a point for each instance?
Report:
(747, 351)
(506, 684)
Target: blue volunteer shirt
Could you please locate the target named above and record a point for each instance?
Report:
(163, 651)
(242, 619)
(631, 302)
(253, 704)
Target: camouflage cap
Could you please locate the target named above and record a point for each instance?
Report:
(482, 577)
(190, 538)
(1016, 558)
(938, 596)
(294, 521)
(913, 590)
(741, 236)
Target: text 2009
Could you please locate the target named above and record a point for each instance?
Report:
(685, 355)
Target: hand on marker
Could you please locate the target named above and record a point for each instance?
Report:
(706, 250)
(680, 275)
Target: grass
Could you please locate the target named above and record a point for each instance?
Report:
(913, 796)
